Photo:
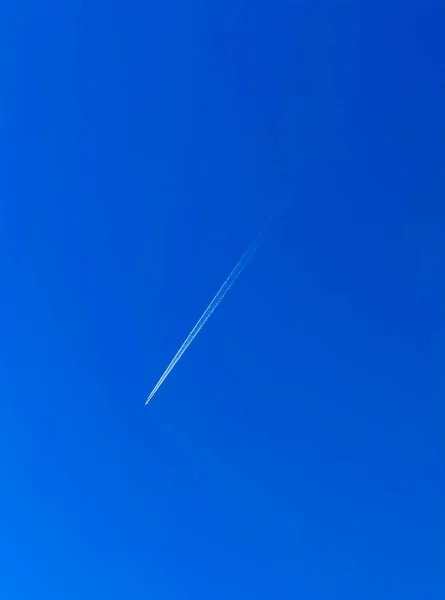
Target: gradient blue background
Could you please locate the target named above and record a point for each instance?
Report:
(297, 449)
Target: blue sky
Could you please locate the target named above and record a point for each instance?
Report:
(297, 448)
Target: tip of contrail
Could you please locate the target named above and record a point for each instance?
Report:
(150, 396)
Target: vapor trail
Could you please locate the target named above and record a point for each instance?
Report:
(237, 270)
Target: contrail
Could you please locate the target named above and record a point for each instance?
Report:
(238, 269)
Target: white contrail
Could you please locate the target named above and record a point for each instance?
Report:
(239, 267)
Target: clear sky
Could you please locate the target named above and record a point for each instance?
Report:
(297, 449)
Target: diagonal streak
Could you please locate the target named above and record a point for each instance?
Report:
(237, 270)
